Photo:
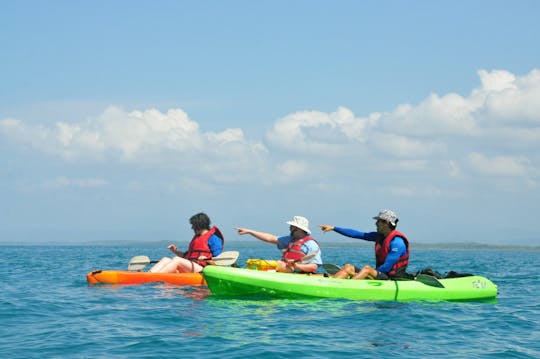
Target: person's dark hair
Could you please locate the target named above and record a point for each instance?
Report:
(392, 227)
(200, 221)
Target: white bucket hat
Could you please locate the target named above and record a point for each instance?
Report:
(388, 216)
(300, 222)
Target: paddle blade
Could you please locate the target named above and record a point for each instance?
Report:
(331, 268)
(429, 280)
(308, 257)
(226, 258)
(138, 262)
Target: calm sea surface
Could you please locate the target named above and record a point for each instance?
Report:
(47, 310)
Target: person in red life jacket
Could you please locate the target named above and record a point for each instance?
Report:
(294, 246)
(391, 249)
(206, 243)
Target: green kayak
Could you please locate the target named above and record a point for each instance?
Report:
(229, 281)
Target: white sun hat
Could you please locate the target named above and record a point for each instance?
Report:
(300, 222)
(388, 216)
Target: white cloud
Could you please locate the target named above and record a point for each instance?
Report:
(501, 116)
(497, 80)
(314, 132)
(500, 165)
(504, 103)
(509, 99)
(451, 114)
(419, 192)
(136, 135)
(227, 136)
(292, 169)
(418, 130)
(396, 146)
(498, 122)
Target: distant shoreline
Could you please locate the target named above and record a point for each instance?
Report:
(327, 244)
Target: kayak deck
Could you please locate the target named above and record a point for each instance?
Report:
(246, 282)
(133, 277)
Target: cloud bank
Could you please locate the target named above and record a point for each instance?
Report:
(494, 131)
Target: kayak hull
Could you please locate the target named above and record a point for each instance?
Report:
(133, 277)
(246, 282)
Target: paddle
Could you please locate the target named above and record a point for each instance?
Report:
(331, 268)
(139, 262)
(428, 280)
(224, 259)
(307, 257)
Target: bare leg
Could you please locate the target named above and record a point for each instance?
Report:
(181, 265)
(366, 272)
(187, 266)
(159, 265)
(346, 271)
(282, 267)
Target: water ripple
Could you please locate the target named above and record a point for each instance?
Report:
(48, 310)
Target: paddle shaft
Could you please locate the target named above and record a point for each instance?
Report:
(145, 263)
(206, 259)
(225, 258)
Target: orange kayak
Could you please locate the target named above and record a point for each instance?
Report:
(132, 277)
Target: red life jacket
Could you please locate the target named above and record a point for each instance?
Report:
(294, 249)
(383, 247)
(199, 246)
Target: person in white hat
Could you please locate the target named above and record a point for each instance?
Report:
(391, 249)
(301, 252)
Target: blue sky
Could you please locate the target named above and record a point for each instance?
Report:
(121, 119)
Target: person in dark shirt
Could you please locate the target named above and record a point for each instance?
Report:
(391, 249)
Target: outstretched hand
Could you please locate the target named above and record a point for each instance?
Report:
(242, 231)
(326, 227)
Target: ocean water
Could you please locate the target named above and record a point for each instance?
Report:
(47, 310)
